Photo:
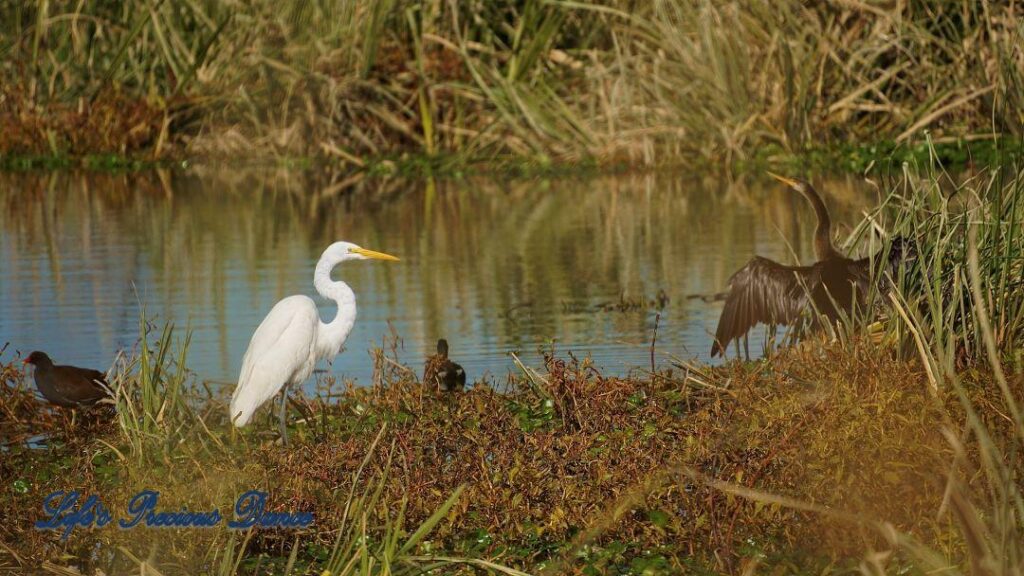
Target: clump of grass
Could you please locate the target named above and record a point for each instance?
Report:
(152, 395)
(352, 81)
(937, 211)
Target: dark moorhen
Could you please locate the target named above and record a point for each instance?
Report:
(441, 372)
(67, 386)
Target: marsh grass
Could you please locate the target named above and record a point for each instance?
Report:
(552, 81)
(151, 394)
(939, 312)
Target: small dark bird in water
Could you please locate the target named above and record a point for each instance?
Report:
(441, 372)
(661, 300)
(67, 386)
(767, 292)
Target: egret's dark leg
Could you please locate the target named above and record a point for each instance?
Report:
(746, 347)
(283, 416)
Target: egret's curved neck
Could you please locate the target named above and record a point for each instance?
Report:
(823, 233)
(331, 335)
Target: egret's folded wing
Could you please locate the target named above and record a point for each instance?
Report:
(281, 346)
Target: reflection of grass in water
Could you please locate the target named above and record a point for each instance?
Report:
(494, 244)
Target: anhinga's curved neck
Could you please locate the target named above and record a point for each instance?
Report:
(331, 335)
(823, 247)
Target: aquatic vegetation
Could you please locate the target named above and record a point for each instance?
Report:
(940, 214)
(551, 82)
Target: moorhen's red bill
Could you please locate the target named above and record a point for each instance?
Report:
(67, 386)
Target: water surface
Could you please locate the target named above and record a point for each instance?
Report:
(493, 266)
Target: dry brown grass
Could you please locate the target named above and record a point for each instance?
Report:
(649, 83)
(115, 123)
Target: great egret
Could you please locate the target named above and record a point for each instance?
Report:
(292, 338)
(67, 386)
(441, 372)
(767, 292)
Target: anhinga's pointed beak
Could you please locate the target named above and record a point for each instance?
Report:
(783, 179)
(372, 254)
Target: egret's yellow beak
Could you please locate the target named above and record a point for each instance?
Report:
(783, 179)
(372, 254)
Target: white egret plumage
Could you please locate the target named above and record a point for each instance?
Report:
(292, 338)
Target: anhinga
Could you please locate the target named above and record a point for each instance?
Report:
(767, 292)
(442, 373)
(67, 386)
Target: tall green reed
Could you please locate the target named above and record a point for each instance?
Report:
(154, 396)
(937, 212)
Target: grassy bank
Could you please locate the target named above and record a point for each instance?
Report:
(564, 470)
(546, 81)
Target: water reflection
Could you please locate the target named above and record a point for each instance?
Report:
(491, 265)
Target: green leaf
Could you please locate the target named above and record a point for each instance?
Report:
(428, 525)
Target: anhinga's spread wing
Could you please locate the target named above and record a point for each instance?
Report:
(766, 292)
